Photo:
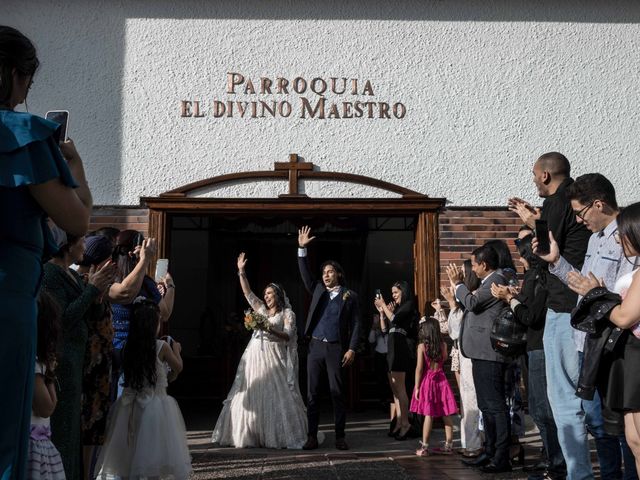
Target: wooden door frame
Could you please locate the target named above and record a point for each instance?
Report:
(411, 203)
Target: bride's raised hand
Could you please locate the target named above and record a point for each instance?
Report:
(242, 261)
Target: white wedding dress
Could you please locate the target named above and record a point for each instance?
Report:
(264, 407)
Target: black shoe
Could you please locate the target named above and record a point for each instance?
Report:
(539, 466)
(544, 476)
(392, 428)
(402, 437)
(311, 443)
(480, 461)
(493, 468)
(341, 444)
(518, 456)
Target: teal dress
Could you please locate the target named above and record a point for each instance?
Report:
(29, 155)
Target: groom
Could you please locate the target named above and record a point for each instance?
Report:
(333, 326)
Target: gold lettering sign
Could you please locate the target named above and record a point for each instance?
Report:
(303, 98)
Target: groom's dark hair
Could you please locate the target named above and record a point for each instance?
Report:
(338, 268)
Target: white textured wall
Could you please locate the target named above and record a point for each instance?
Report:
(487, 87)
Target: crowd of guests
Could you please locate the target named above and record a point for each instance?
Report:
(85, 370)
(571, 328)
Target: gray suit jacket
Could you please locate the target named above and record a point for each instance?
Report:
(481, 309)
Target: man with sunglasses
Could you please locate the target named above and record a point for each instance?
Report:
(593, 200)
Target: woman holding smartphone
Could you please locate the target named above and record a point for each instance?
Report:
(132, 255)
(38, 179)
(402, 316)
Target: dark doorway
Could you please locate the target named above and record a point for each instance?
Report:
(202, 250)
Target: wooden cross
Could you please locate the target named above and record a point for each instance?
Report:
(293, 166)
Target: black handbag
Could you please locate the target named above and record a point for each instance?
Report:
(508, 337)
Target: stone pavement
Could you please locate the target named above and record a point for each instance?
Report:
(373, 456)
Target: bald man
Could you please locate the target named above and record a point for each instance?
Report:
(552, 177)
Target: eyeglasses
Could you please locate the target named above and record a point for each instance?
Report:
(584, 211)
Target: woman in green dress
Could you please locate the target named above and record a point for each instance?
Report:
(80, 304)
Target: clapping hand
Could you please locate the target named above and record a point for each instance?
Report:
(303, 236)
(581, 284)
(101, 277)
(524, 210)
(501, 292)
(455, 274)
(379, 303)
(449, 295)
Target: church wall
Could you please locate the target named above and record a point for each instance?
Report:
(485, 87)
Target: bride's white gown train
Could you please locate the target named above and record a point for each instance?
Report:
(264, 407)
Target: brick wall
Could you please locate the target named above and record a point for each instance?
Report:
(123, 218)
(461, 229)
(464, 229)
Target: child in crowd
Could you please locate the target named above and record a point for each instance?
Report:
(433, 396)
(44, 459)
(146, 436)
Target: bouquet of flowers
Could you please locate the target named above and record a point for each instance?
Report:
(255, 321)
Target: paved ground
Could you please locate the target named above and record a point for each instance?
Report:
(373, 456)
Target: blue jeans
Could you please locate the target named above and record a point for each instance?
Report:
(542, 415)
(563, 369)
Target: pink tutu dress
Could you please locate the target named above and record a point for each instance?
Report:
(436, 396)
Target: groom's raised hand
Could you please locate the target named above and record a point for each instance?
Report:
(303, 237)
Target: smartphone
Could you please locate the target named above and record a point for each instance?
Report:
(61, 117)
(542, 234)
(162, 266)
(378, 293)
(138, 239)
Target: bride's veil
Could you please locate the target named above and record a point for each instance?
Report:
(292, 347)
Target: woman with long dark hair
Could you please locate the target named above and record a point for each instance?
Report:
(402, 315)
(38, 178)
(132, 255)
(621, 385)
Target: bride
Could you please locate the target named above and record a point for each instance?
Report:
(264, 407)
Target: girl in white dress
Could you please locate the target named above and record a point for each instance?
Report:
(264, 407)
(146, 436)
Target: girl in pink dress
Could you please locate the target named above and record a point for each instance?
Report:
(432, 396)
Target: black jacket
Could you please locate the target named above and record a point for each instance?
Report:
(349, 309)
(572, 238)
(592, 316)
(532, 309)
